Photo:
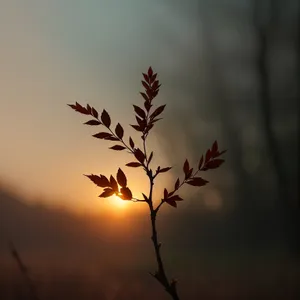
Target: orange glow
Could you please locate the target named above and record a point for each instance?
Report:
(117, 202)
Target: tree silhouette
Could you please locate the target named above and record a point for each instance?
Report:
(146, 118)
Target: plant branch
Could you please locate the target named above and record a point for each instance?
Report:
(183, 182)
(160, 274)
(121, 140)
(145, 122)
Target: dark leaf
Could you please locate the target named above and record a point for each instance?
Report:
(207, 156)
(111, 138)
(155, 85)
(153, 78)
(146, 86)
(134, 164)
(147, 105)
(77, 107)
(117, 147)
(171, 202)
(214, 148)
(145, 96)
(186, 167)
(119, 131)
(197, 181)
(154, 94)
(131, 143)
(73, 106)
(92, 122)
(107, 193)
(166, 194)
(150, 157)
(105, 118)
(163, 170)
(149, 94)
(89, 109)
(101, 180)
(94, 113)
(139, 155)
(102, 135)
(157, 89)
(113, 184)
(170, 194)
(200, 162)
(121, 178)
(189, 173)
(81, 109)
(150, 72)
(146, 77)
(215, 163)
(139, 111)
(142, 122)
(126, 193)
(158, 111)
(175, 198)
(137, 128)
(177, 183)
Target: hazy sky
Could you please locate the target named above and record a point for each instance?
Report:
(58, 52)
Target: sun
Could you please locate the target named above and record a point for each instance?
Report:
(118, 202)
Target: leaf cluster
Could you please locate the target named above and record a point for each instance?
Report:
(146, 116)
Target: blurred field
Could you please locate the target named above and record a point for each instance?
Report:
(272, 283)
(71, 257)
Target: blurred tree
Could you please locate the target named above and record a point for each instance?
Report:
(266, 24)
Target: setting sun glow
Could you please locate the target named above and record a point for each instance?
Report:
(118, 202)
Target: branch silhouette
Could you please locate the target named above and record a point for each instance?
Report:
(146, 118)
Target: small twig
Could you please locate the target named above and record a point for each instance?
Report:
(137, 200)
(24, 271)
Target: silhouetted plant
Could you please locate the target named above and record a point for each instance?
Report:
(146, 118)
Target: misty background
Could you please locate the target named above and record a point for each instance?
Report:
(229, 72)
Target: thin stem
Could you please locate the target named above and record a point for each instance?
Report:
(158, 207)
(144, 146)
(160, 275)
(24, 271)
(138, 200)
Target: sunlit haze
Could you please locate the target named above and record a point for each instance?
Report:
(52, 55)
